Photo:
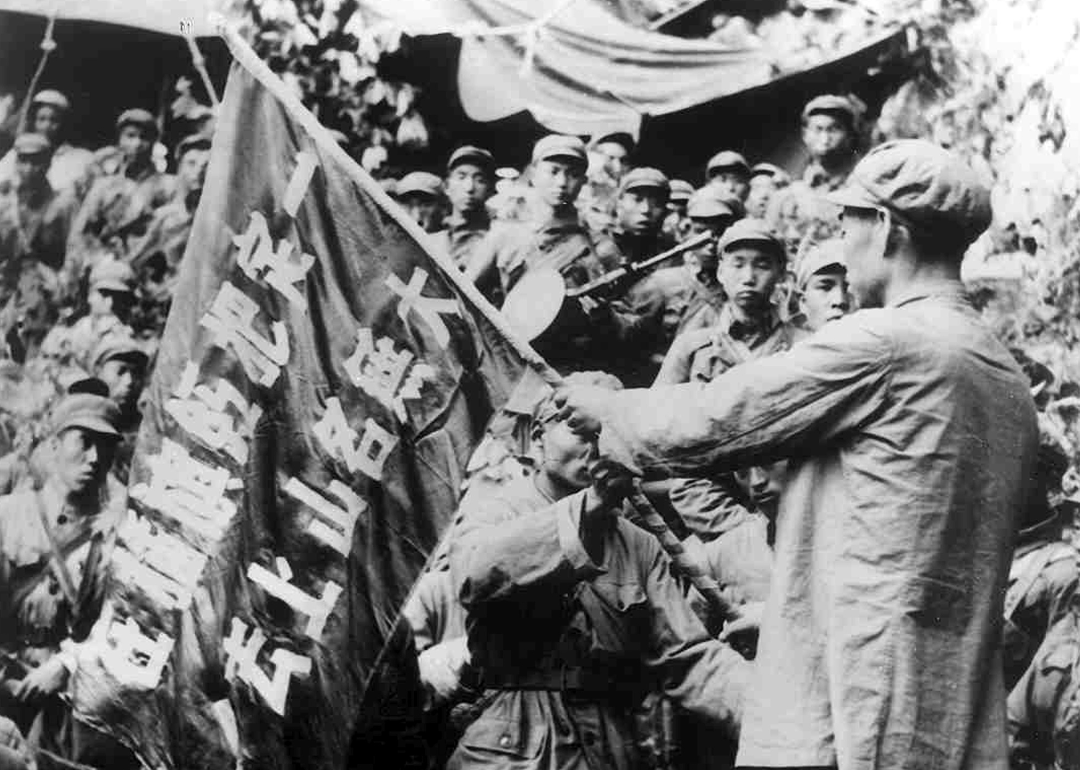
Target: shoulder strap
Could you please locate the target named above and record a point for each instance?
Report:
(67, 585)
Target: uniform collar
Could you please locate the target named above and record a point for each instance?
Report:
(142, 174)
(564, 218)
(456, 222)
(951, 290)
(818, 177)
(741, 331)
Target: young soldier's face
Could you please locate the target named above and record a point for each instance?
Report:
(467, 187)
(613, 157)
(732, 182)
(826, 135)
(47, 122)
(558, 182)
(762, 189)
(82, 458)
(192, 168)
(125, 381)
(135, 143)
(825, 298)
(565, 456)
(748, 274)
(30, 170)
(641, 211)
(424, 210)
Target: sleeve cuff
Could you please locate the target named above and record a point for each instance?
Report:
(569, 523)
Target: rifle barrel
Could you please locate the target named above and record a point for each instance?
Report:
(621, 272)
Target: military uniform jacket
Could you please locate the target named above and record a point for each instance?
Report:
(911, 437)
(539, 609)
(701, 355)
(117, 211)
(459, 237)
(560, 242)
(33, 228)
(1043, 581)
(36, 613)
(1044, 707)
(71, 169)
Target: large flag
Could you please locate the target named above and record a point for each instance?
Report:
(321, 384)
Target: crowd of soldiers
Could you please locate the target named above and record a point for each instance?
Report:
(551, 629)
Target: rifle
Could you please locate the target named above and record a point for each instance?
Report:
(631, 270)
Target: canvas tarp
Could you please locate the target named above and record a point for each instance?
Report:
(575, 66)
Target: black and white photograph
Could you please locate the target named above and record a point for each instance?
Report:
(539, 384)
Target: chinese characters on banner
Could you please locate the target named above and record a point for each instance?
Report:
(321, 384)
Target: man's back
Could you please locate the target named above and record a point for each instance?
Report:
(892, 553)
(911, 435)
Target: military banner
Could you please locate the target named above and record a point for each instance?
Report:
(321, 384)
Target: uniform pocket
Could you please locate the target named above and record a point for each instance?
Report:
(504, 737)
(619, 612)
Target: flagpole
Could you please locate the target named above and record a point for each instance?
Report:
(247, 57)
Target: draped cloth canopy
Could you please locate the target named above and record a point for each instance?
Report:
(576, 67)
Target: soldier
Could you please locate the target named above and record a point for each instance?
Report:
(554, 237)
(156, 257)
(119, 206)
(1045, 573)
(751, 263)
(573, 616)
(110, 298)
(420, 193)
(729, 173)
(34, 225)
(1044, 706)
(830, 134)
(470, 177)
(54, 545)
(910, 438)
(70, 169)
(677, 222)
(608, 161)
(34, 217)
(821, 279)
(639, 209)
(765, 181)
(121, 363)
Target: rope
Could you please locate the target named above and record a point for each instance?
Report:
(48, 45)
(199, 62)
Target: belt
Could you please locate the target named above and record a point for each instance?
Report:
(573, 679)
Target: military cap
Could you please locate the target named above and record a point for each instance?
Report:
(681, 190)
(113, 275)
(53, 98)
(770, 169)
(88, 411)
(644, 178)
(706, 203)
(827, 103)
(478, 156)
(546, 409)
(924, 185)
(137, 117)
(119, 346)
(191, 142)
(419, 183)
(620, 138)
(562, 147)
(30, 144)
(750, 231)
(727, 159)
(819, 257)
